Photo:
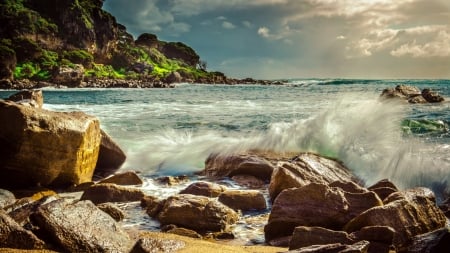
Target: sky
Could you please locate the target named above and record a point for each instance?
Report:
(275, 39)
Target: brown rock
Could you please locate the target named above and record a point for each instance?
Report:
(204, 189)
(307, 168)
(170, 180)
(112, 210)
(433, 242)
(384, 192)
(153, 205)
(184, 232)
(6, 198)
(12, 235)
(110, 157)
(383, 183)
(101, 193)
(411, 194)
(81, 227)
(249, 181)
(33, 98)
(243, 200)
(156, 245)
(69, 76)
(197, 212)
(383, 234)
(39, 147)
(359, 247)
(348, 186)
(307, 236)
(174, 77)
(432, 96)
(316, 205)
(124, 178)
(408, 217)
(401, 91)
(417, 100)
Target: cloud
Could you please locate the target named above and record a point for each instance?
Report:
(264, 32)
(247, 24)
(228, 25)
(439, 47)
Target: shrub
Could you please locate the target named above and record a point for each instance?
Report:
(79, 56)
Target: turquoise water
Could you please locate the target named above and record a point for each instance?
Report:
(172, 131)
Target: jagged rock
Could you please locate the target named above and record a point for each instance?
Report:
(316, 205)
(123, 178)
(33, 98)
(25, 207)
(349, 186)
(110, 156)
(433, 242)
(417, 100)
(112, 211)
(359, 247)
(174, 77)
(411, 194)
(152, 205)
(204, 189)
(445, 207)
(408, 216)
(243, 200)
(197, 212)
(248, 181)
(383, 188)
(432, 96)
(12, 235)
(81, 227)
(222, 165)
(40, 147)
(156, 245)
(6, 198)
(401, 91)
(383, 183)
(382, 234)
(147, 39)
(307, 236)
(69, 76)
(101, 193)
(307, 168)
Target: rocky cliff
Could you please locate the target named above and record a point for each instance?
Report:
(44, 39)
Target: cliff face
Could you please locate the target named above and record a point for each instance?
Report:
(38, 37)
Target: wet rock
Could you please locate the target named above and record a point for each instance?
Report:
(123, 178)
(170, 180)
(204, 189)
(222, 165)
(69, 76)
(156, 245)
(12, 235)
(411, 194)
(40, 147)
(153, 205)
(33, 98)
(307, 168)
(183, 232)
(359, 247)
(101, 193)
(316, 205)
(407, 216)
(401, 91)
(383, 183)
(248, 181)
(110, 157)
(382, 234)
(383, 188)
(6, 198)
(348, 186)
(197, 212)
(307, 236)
(243, 200)
(81, 227)
(22, 209)
(112, 210)
(433, 242)
(445, 207)
(80, 188)
(417, 100)
(432, 96)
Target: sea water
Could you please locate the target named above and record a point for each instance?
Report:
(172, 131)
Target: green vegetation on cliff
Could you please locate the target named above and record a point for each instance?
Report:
(40, 36)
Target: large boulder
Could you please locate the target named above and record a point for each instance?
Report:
(243, 200)
(316, 205)
(69, 76)
(33, 98)
(401, 91)
(432, 96)
(308, 168)
(408, 216)
(124, 178)
(204, 189)
(110, 156)
(12, 235)
(198, 213)
(40, 147)
(81, 227)
(174, 77)
(432, 242)
(101, 193)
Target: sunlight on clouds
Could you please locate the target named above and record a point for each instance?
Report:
(228, 25)
(440, 47)
(264, 32)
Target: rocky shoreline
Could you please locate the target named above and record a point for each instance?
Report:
(50, 200)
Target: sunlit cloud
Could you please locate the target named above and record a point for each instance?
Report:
(228, 25)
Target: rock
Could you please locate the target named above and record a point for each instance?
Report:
(445, 207)
(184, 232)
(197, 212)
(401, 91)
(147, 39)
(69, 76)
(417, 100)
(153, 205)
(432, 96)
(359, 247)
(8, 63)
(80, 188)
(248, 181)
(432, 242)
(174, 77)
(40, 147)
(6, 198)
(12, 235)
(383, 183)
(34, 98)
(307, 168)
(25, 207)
(307, 236)
(81, 227)
(112, 211)
(101, 193)
(408, 217)
(383, 188)
(222, 165)
(110, 157)
(180, 51)
(348, 186)
(204, 189)
(170, 180)
(156, 245)
(244, 200)
(280, 241)
(123, 178)
(315, 205)
(411, 194)
(382, 234)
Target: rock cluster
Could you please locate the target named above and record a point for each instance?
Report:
(412, 94)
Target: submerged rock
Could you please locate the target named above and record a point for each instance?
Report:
(412, 94)
(40, 147)
(204, 189)
(432, 96)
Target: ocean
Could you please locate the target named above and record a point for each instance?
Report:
(172, 131)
